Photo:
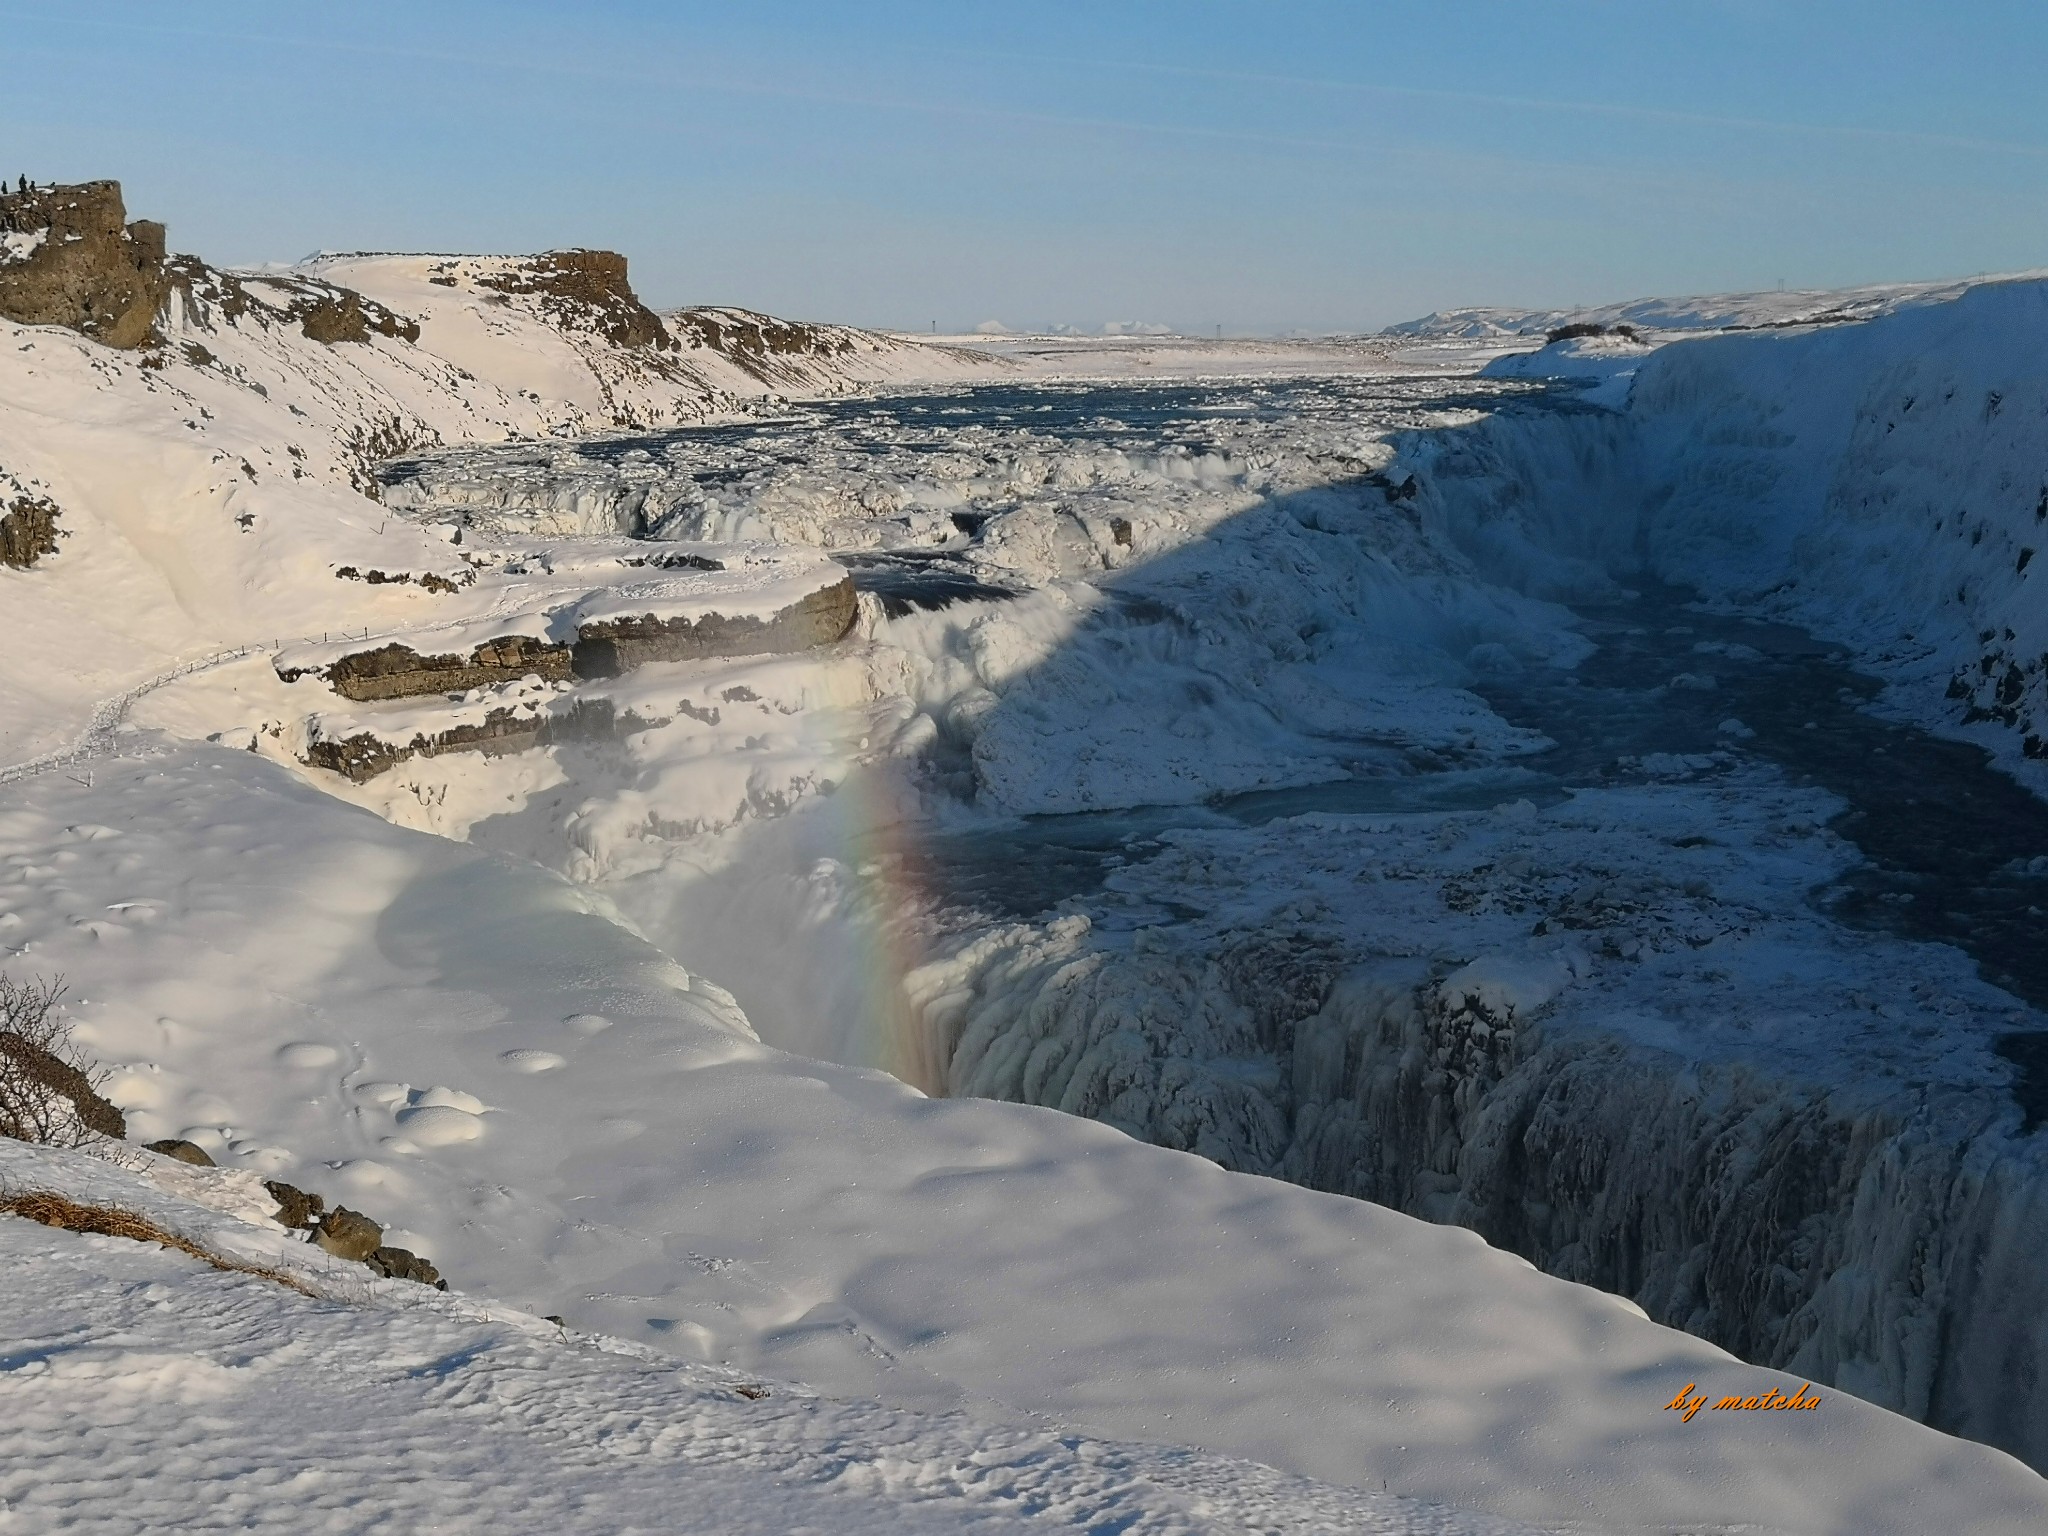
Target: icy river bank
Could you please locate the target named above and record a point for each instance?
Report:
(1207, 778)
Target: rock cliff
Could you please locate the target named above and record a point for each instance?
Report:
(69, 256)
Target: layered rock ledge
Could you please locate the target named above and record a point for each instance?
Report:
(506, 682)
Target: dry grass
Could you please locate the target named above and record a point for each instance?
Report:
(54, 1210)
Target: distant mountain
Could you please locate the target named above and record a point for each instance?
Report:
(1709, 312)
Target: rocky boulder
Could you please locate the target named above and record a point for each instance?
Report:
(296, 1208)
(28, 531)
(348, 1234)
(403, 1264)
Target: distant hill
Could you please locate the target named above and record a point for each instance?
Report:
(1708, 312)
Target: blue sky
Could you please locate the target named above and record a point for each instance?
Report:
(1257, 164)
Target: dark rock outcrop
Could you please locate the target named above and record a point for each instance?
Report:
(72, 259)
(363, 756)
(329, 314)
(432, 581)
(756, 343)
(404, 1264)
(28, 531)
(182, 1151)
(398, 671)
(345, 315)
(602, 649)
(586, 291)
(348, 1234)
(612, 646)
(81, 264)
(296, 1208)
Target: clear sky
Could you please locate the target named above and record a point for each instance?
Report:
(1257, 164)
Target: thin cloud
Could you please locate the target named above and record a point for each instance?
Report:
(1609, 109)
(727, 84)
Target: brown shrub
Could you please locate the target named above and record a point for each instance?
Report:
(47, 1089)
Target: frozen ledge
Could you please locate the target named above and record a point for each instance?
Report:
(763, 602)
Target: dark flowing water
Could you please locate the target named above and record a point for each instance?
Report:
(908, 580)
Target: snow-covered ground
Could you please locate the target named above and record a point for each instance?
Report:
(147, 1391)
(211, 493)
(536, 1056)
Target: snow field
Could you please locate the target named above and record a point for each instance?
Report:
(147, 1391)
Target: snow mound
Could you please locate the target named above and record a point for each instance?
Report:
(1609, 361)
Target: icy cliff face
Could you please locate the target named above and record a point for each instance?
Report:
(1881, 484)
(1611, 1036)
(1611, 1033)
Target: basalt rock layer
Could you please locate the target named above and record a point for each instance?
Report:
(362, 755)
(587, 291)
(397, 671)
(602, 648)
(612, 646)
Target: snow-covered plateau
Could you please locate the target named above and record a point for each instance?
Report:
(1485, 896)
